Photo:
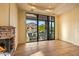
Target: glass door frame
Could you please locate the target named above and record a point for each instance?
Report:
(45, 24)
(48, 31)
(38, 27)
(51, 28)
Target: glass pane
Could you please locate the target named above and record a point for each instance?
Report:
(51, 18)
(41, 17)
(50, 30)
(31, 30)
(42, 31)
(31, 16)
(53, 29)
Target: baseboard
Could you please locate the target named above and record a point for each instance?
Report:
(70, 42)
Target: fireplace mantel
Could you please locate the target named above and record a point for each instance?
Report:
(6, 37)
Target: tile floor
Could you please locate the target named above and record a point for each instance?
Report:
(47, 48)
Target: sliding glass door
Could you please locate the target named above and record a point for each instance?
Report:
(31, 28)
(51, 28)
(42, 31)
(39, 28)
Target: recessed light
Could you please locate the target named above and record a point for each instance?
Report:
(33, 7)
(48, 10)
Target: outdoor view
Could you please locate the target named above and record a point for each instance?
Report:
(39, 30)
(32, 30)
(42, 30)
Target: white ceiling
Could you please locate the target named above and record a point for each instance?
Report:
(47, 8)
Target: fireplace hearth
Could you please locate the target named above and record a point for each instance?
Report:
(2, 49)
(7, 40)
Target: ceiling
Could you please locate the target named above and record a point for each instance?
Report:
(47, 8)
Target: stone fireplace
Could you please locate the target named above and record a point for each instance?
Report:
(7, 40)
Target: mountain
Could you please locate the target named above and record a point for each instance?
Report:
(31, 25)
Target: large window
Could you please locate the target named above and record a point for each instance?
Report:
(39, 28)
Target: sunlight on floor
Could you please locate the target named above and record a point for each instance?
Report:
(39, 53)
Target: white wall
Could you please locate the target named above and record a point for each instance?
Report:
(56, 27)
(4, 12)
(69, 26)
(22, 35)
(14, 21)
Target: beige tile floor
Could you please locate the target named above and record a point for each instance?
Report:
(47, 48)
